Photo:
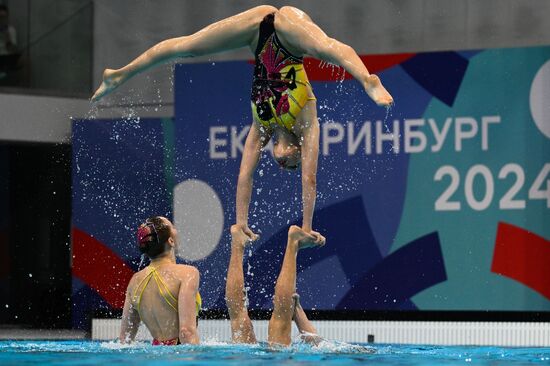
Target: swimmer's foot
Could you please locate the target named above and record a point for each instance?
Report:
(377, 92)
(302, 240)
(112, 79)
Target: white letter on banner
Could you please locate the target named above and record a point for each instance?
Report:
(439, 135)
(485, 130)
(237, 140)
(390, 136)
(365, 134)
(215, 142)
(461, 134)
(328, 139)
(410, 135)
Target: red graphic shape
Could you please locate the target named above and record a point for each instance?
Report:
(100, 268)
(522, 256)
(374, 63)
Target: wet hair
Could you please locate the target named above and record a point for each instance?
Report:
(152, 236)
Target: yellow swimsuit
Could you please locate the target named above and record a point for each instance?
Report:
(163, 290)
(280, 88)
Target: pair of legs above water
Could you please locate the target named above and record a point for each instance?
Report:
(296, 30)
(286, 304)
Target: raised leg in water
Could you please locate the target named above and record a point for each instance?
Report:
(235, 297)
(283, 301)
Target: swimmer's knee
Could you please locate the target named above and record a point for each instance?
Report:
(281, 296)
(279, 325)
(283, 308)
(279, 331)
(309, 178)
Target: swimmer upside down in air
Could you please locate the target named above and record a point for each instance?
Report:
(283, 103)
(286, 302)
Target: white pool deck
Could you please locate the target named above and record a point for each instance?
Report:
(41, 334)
(512, 334)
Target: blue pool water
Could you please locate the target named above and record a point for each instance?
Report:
(70, 353)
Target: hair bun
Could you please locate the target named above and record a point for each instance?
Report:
(152, 236)
(144, 236)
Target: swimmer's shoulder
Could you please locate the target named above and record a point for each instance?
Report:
(139, 275)
(186, 271)
(136, 277)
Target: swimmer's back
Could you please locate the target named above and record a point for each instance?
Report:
(157, 298)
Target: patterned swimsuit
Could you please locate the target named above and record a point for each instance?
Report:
(280, 85)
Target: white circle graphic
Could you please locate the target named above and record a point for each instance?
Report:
(539, 99)
(198, 217)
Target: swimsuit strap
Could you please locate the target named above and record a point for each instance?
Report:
(161, 285)
(137, 297)
(163, 291)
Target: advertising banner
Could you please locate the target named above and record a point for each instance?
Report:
(440, 203)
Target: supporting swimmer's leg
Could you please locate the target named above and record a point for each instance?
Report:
(235, 298)
(283, 302)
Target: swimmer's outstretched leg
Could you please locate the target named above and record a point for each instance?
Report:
(235, 297)
(230, 33)
(283, 301)
(297, 27)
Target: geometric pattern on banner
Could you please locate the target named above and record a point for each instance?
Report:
(412, 268)
(523, 257)
(439, 73)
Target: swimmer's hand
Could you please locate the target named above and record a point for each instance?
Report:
(305, 239)
(241, 235)
(246, 231)
(317, 238)
(112, 79)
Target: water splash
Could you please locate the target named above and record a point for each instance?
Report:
(142, 261)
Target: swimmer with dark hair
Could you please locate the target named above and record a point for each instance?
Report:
(164, 295)
(283, 104)
(286, 302)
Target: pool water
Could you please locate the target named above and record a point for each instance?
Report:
(216, 353)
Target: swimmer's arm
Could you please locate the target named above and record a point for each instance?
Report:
(310, 156)
(187, 313)
(255, 141)
(130, 318)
